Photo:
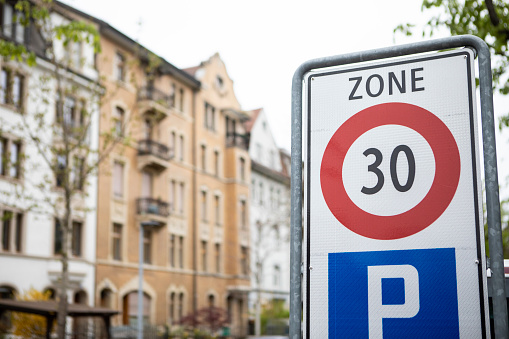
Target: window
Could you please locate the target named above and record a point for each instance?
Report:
(258, 152)
(18, 233)
(11, 87)
(76, 238)
(181, 198)
(78, 172)
(181, 252)
(242, 169)
(204, 255)
(130, 308)
(10, 158)
(277, 276)
(219, 82)
(243, 215)
(253, 190)
(12, 231)
(210, 117)
(204, 206)
(271, 197)
(147, 246)
(118, 120)
(171, 254)
(12, 23)
(216, 163)
(230, 126)
(58, 244)
(148, 129)
(172, 307)
(244, 260)
(181, 148)
(181, 306)
(173, 141)
(217, 209)
(77, 229)
(118, 179)
(181, 100)
(73, 54)
(146, 185)
(203, 157)
(119, 67)
(69, 112)
(218, 258)
(260, 193)
(60, 171)
(173, 193)
(116, 245)
(173, 93)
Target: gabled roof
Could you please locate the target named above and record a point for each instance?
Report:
(248, 125)
(192, 70)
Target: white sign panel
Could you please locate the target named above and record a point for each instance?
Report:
(394, 232)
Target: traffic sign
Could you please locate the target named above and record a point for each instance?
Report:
(394, 234)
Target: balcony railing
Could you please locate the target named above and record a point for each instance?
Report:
(153, 94)
(237, 140)
(151, 147)
(153, 206)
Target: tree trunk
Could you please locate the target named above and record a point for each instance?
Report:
(258, 313)
(66, 242)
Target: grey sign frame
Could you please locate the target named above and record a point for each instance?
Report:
(490, 167)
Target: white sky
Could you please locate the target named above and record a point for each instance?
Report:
(263, 42)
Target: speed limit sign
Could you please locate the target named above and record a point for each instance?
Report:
(394, 234)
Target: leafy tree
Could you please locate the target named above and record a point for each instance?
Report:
(66, 155)
(30, 325)
(211, 318)
(487, 19)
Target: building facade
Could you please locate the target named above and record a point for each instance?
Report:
(185, 167)
(269, 219)
(34, 165)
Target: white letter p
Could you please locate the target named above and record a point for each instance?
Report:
(376, 310)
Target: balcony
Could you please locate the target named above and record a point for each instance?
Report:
(150, 209)
(237, 140)
(153, 100)
(153, 154)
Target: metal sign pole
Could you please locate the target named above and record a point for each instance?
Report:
(490, 167)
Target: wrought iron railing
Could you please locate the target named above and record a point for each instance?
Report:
(154, 94)
(147, 147)
(153, 206)
(237, 140)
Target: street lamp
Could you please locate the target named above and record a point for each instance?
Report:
(140, 274)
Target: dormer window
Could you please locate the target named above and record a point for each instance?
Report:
(219, 82)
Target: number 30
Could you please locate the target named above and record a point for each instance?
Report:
(394, 175)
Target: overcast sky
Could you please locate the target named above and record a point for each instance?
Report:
(263, 42)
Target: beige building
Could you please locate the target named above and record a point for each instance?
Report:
(184, 164)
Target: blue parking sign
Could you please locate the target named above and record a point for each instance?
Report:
(393, 294)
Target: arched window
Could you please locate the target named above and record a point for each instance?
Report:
(106, 298)
(81, 297)
(6, 292)
(130, 308)
(181, 306)
(172, 307)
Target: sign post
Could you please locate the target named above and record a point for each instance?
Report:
(394, 239)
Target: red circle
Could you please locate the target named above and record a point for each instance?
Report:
(447, 171)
